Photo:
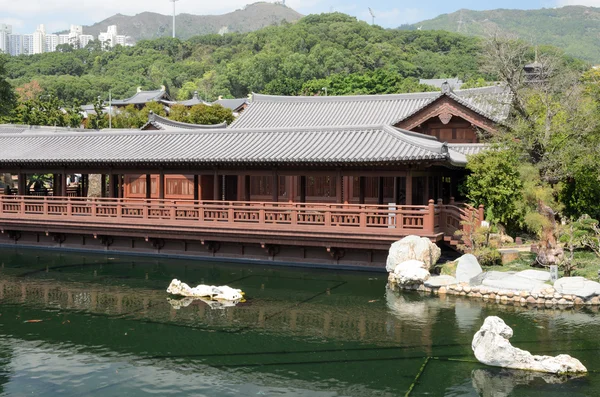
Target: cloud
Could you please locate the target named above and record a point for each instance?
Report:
(14, 22)
(589, 3)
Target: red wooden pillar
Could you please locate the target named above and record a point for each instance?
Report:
(361, 189)
(396, 190)
(275, 184)
(380, 191)
(196, 188)
(409, 191)
(338, 187)
(148, 186)
(247, 186)
(290, 188)
(161, 185)
(303, 189)
(63, 185)
(120, 187)
(216, 195)
(22, 185)
(429, 220)
(347, 194)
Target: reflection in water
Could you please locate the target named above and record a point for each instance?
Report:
(185, 302)
(500, 382)
(109, 328)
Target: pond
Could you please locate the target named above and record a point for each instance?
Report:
(91, 325)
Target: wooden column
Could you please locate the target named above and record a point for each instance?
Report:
(55, 185)
(103, 185)
(161, 185)
(409, 195)
(380, 192)
(196, 187)
(216, 195)
(396, 190)
(275, 184)
(361, 188)
(111, 185)
(120, 187)
(303, 189)
(247, 187)
(427, 192)
(22, 185)
(347, 192)
(290, 187)
(338, 187)
(63, 185)
(148, 186)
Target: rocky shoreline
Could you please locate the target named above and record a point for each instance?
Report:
(410, 260)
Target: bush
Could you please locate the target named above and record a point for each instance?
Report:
(488, 256)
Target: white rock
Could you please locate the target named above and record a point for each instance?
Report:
(513, 282)
(414, 275)
(439, 281)
(538, 275)
(578, 286)
(467, 268)
(413, 247)
(491, 346)
(407, 265)
(205, 291)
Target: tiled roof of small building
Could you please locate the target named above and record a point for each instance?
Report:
(356, 145)
(269, 111)
(142, 97)
(233, 104)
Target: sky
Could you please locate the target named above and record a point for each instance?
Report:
(56, 15)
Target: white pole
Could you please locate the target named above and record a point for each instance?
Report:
(109, 109)
(174, 16)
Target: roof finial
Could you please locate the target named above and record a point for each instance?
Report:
(446, 87)
(151, 116)
(139, 89)
(195, 95)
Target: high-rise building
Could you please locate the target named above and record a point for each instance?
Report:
(109, 38)
(5, 32)
(28, 44)
(84, 39)
(15, 44)
(51, 42)
(39, 40)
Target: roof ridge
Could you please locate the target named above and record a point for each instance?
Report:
(341, 98)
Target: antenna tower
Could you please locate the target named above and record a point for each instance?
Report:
(173, 1)
(372, 16)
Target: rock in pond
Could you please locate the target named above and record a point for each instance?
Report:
(413, 247)
(491, 346)
(439, 281)
(205, 291)
(411, 272)
(467, 268)
(532, 274)
(578, 286)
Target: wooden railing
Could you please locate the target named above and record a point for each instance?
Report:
(390, 220)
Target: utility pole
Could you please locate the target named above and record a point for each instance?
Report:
(372, 16)
(109, 109)
(173, 1)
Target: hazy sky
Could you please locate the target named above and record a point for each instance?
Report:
(57, 15)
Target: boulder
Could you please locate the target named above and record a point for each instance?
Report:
(467, 268)
(491, 346)
(411, 272)
(439, 281)
(532, 274)
(413, 247)
(578, 286)
(205, 291)
(512, 282)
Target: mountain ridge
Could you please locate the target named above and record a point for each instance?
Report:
(575, 29)
(151, 25)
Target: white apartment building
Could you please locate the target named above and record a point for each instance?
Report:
(84, 40)
(5, 33)
(51, 42)
(28, 44)
(39, 40)
(15, 44)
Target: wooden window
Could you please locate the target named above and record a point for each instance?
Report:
(321, 186)
(262, 186)
(137, 185)
(372, 187)
(179, 186)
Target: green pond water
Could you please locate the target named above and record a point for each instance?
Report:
(108, 329)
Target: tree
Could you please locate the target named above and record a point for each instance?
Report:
(7, 95)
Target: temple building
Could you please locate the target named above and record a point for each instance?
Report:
(349, 174)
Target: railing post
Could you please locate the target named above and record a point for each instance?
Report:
(119, 208)
(45, 205)
(22, 209)
(1, 204)
(451, 200)
(230, 213)
(94, 205)
(429, 220)
(261, 215)
(294, 215)
(363, 217)
(173, 212)
(201, 211)
(69, 207)
(328, 216)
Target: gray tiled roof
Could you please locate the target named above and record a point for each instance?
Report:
(141, 97)
(233, 104)
(468, 148)
(323, 145)
(196, 100)
(163, 123)
(455, 83)
(287, 111)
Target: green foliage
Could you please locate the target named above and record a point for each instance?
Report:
(496, 183)
(580, 193)
(202, 114)
(47, 110)
(328, 50)
(7, 94)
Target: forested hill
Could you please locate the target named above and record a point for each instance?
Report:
(575, 29)
(148, 25)
(328, 50)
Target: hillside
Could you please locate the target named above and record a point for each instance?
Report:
(149, 25)
(575, 29)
